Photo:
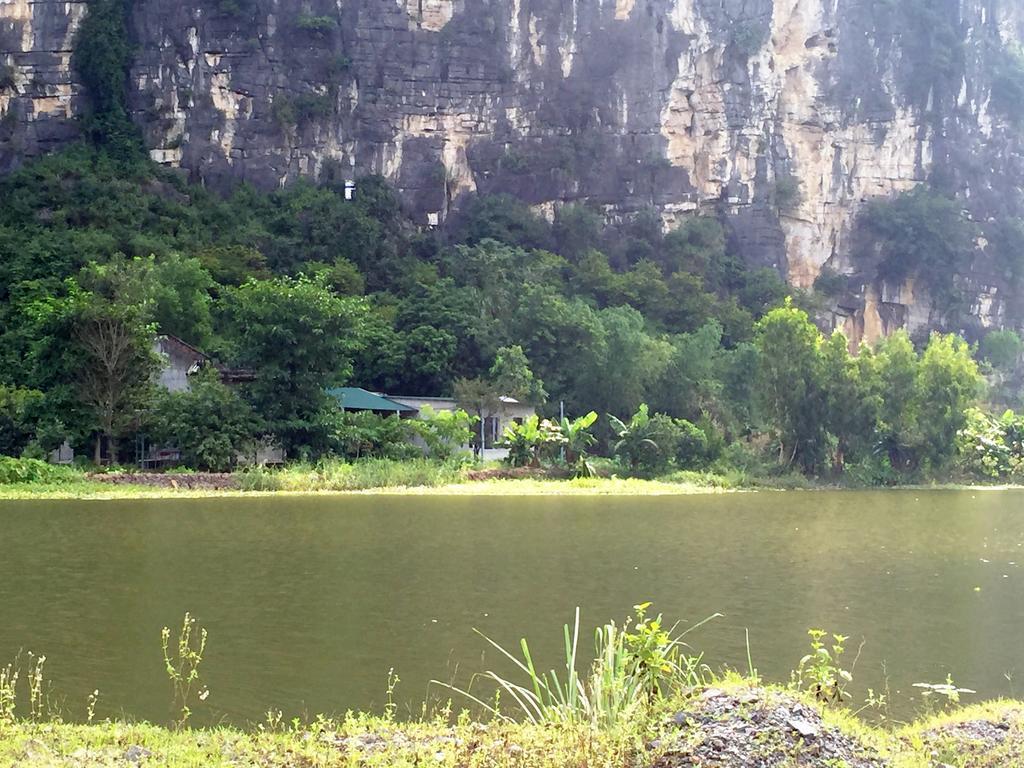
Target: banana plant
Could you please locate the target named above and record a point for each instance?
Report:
(526, 441)
(522, 441)
(578, 440)
(635, 442)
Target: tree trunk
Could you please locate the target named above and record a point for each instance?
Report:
(97, 455)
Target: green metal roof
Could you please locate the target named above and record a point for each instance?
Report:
(356, 399)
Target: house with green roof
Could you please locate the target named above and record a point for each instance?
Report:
(486, 437)
(358, 399)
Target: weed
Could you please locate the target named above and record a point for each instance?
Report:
(36, 701)
(820, 672)
(8, 692)
(90, 705)
(391, 707)
(182, 667)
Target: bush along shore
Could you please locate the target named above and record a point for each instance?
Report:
(645, 701)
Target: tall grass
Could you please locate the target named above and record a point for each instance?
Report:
(635, 665)
(356, 476)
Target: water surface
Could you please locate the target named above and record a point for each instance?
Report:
(310, 601)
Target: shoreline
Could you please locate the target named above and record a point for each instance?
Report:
(731, 723)
(613, 487)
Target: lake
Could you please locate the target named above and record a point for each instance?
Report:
(309, 601)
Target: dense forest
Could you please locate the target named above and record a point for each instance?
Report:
(304, 289)
(309, 290)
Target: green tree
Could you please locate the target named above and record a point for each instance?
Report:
(1002, 349)
(512, 376)
(897, 367)
(20, 411)
(103, 57)
(791, 387)
(480, 398)
(299, 338)
(117, 367)
(850, 400)
(365, 434)
(209, 423)
(691, 383)
(948, 383)
(919, 234)
(623, 363)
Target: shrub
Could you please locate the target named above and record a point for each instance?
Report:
(290, 111)
(831, 283)
(1008, 85)
(368, 435)
(283, 111)
(992, 448)
(34, 471)
(646, 443)
(1003, 349)
(7, 80)
(919, 234)
(528, 441)
(873, 471)
(316, 25)
(785, 194)
(443, 432)
(336, 67)
(234, 7)
(749, 35)
(691, 446)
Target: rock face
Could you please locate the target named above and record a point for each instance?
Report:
(782, 116)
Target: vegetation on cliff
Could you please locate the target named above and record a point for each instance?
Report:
(308, 290)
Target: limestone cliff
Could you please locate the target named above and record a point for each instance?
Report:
(783, 116)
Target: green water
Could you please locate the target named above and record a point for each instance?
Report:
(309, 602)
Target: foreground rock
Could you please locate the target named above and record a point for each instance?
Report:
(758, 728)
(995, 739)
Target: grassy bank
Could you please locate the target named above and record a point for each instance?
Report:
(646, 700)
(35, 480)
(735, 724)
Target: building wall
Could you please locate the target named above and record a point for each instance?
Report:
(179, 359)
